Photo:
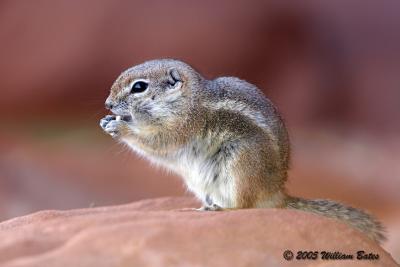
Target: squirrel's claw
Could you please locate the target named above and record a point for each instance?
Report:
(104, 121)
(110, 125)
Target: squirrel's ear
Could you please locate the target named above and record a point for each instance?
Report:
(174, 78)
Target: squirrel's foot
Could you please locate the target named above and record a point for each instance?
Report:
(112, 125)
(213, 207)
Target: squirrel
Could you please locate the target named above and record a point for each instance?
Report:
(223, 136)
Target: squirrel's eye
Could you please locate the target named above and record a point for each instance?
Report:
(139, 87)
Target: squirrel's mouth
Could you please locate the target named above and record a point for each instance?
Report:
(127, 118)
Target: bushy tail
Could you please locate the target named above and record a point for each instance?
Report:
(351, 216)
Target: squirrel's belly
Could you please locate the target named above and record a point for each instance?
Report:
(208, 181)
(204, 176)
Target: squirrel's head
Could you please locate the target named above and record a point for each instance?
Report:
(154, 94)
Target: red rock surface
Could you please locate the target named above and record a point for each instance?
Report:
(157, 232)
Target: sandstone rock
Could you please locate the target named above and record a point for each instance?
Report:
(158, 232)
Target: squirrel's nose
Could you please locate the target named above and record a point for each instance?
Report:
(109, 104)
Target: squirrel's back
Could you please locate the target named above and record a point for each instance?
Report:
(239, 96)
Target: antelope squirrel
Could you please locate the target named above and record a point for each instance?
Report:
(223, 136)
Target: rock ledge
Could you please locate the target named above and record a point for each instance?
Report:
(157, 232)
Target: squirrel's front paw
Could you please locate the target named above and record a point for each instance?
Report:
(112, 125)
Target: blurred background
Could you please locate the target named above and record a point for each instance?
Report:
(332, 68)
